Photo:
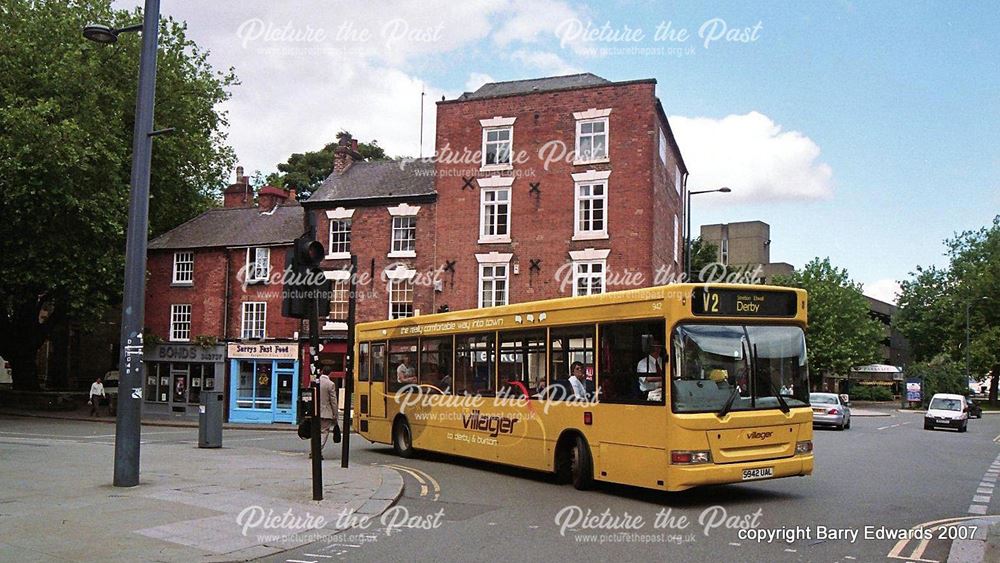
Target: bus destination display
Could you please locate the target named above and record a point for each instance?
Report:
(743, 303)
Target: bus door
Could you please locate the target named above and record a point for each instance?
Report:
(371, 388)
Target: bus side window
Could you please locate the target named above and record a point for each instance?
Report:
(364, 361)
(568, 345)
(627, 352)
(521, 367)
(402, 364)
(435, 363)
(474, 362)
(378, 363)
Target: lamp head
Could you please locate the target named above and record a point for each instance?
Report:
(100, 34)
(725, 190)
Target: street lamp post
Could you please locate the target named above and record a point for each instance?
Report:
(128, 424)
(687, 218)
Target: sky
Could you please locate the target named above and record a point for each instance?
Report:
(863, 132)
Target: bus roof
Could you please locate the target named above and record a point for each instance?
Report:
(656, 293)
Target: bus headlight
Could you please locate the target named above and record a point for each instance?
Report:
(805, 447)
(684, 457)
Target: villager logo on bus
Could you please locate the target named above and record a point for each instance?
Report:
(759, 435)
(742, 303)
(493, 424)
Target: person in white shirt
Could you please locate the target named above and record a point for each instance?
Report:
(405, 374)
(650, 371)
(96, 396)
(576, 381)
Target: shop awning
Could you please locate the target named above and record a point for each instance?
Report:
(877, 372)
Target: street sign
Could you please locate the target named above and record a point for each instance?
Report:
(913, 390)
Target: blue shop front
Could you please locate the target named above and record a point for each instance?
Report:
(263, 382)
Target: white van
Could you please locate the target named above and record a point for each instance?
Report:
(947, 410)
(5, 377)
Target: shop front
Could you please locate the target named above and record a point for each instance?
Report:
(263, 382)
(176, 374)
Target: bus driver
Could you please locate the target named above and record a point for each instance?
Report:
(650, 371)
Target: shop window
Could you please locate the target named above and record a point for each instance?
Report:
(202, 379)
(474, 361)
(402, 363)
(180, 372)
(568, 346)
(435, 363)
(632, 358)
(152, 382)
(521, 365)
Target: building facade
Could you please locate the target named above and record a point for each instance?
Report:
(745, 244)
(213, 310)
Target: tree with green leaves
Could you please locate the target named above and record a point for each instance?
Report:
(841, 333)
(703, 253)
(306, 171)
(67, 109)
(933, 305)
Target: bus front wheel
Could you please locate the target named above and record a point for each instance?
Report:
(402, 438)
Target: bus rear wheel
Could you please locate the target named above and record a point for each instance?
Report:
(574, 463)
(402, 438)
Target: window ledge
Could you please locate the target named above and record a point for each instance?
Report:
(494, 240)
(402, 254)
(495, 167)
(179, 340)
(604, 160)
(591, 236)
(338, 256)
(182, 284)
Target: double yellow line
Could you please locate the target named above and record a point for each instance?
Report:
(422, 478)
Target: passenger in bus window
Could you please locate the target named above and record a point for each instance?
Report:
(650, 371)
(405, 373)
(576, 379)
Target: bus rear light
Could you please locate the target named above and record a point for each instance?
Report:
(681, 457)
(588, 418)
(805, 447)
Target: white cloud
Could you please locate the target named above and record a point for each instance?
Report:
(754, 156)
(531, 18)
(884, 290)
(477, 79)
(548, 64)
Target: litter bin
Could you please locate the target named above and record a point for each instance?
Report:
(210, 420)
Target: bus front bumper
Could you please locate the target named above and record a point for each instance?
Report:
(685, 477)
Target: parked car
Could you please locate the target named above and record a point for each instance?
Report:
(975, 411)
(111, 390)
(830, 409)
(5, 375)
(947, 410)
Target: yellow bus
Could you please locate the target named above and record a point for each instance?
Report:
(665, 387)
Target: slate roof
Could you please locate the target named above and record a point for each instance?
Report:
(231, 226)
(494, 89)
(378, 179)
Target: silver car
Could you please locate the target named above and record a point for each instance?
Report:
(830, 410)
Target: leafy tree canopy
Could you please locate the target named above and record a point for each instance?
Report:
(841, 333)
(935, 305)
(67, 108)
(306, 171)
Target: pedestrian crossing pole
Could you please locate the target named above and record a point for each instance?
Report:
(317, 451)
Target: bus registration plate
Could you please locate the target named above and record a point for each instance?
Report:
(759, 473)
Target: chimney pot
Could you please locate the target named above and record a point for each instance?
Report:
(354, 145)
(240, 179)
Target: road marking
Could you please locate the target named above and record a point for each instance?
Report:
(918, 553)
(984, 491)
(300, 561)
(977, 509)
(319, 555)
(895, 552)
(736, 544)
(851, 557)
(981, 498)
(422, 477)
(790, 550)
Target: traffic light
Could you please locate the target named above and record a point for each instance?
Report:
(306, 282)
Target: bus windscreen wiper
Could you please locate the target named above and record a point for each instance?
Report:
(736, 389)
(770, 385)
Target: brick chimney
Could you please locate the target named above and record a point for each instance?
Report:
(238, 194)
(270, 196)
(345, 154)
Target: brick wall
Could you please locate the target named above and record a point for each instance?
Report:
(640, 225)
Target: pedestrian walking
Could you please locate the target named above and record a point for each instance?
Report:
(97, 396)
(327, 410)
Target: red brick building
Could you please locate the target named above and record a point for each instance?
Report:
(540, 189)
(213, 309)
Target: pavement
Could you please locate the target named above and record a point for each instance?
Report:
(82, 414)
(57, 502)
